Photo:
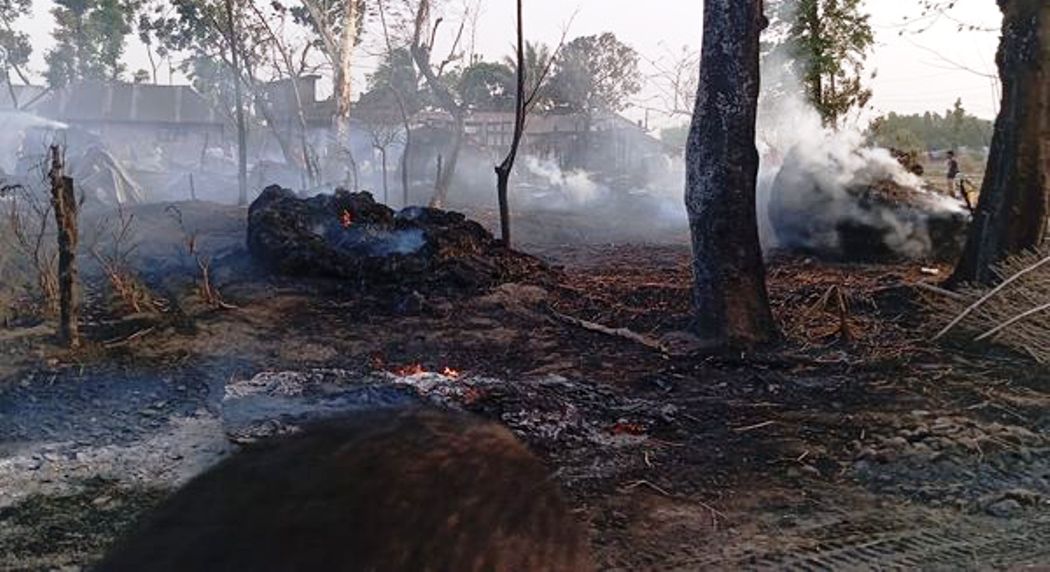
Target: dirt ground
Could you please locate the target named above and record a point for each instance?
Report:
(857, 443)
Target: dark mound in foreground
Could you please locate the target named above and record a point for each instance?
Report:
(351, 236)
(385, 491)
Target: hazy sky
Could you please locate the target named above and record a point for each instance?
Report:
(915, 72)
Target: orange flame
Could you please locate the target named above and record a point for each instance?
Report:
(346, 219)
(449, 372)
(410, 370)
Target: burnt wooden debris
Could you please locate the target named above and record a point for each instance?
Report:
(395, 490)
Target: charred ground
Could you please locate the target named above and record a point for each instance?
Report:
(856, 441)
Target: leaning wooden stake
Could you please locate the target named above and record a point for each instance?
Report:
(65, 203)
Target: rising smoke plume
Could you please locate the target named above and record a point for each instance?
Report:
(819, 188)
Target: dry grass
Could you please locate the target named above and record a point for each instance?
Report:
(1015, 314)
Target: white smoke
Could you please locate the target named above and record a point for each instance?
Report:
(561, 189)
(812, 172)
(14, 126)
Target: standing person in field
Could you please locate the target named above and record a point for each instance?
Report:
(953, 172)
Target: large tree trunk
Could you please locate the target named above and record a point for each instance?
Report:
(1012, 213)
(729, 294)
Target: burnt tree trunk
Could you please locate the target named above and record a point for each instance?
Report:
(1012, 212)
(65, 204)
(729, 293)
(504, 169)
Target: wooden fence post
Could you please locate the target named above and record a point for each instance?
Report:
(64, 200)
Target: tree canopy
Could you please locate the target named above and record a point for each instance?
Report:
(826, 43)
(89, 40)
(15, 48)
(930, 131)
(595, 73)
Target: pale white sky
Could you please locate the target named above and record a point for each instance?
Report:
(916, 72)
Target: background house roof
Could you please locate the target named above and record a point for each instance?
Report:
(129, 103)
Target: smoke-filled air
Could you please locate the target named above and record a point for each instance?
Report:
(524, 285)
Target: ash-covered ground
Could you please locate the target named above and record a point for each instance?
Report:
(858, 443)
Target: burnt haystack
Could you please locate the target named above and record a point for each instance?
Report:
(862, 206)
(350, 236)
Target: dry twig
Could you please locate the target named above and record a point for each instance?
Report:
(616, 332)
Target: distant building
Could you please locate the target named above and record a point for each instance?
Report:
(282, 104)
(615, 146)
(146, 124)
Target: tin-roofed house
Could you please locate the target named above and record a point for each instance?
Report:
(143, 124)
(153, 138)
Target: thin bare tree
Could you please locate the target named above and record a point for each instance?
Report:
(421, 49)
(524, 100)
(399, 98)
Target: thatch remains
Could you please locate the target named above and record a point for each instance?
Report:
(1016, 313)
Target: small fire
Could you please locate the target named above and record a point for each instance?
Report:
(449, 372)
(624, 427)
(418, 369)
(346, 219)
(410, 370)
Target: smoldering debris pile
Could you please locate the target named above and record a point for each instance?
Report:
(350, 236)
(849, 203)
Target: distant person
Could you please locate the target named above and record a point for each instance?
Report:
(953, 172)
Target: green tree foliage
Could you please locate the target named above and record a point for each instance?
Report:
(486, 86)
(89, 40)
(332, 19)
(538, 65)
(595, 73)
(826, 42)
(480, 86)
(15, 48)
(954, 129)
(396, 72)
(198, 29)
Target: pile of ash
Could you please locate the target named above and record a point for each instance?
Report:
(862, 206)
(352, 237)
